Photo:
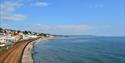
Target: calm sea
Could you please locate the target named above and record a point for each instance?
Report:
(80, 49)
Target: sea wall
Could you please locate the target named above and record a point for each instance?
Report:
(27, 54)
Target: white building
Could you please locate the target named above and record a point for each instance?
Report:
(6, 40)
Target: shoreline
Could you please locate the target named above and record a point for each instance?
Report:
(27, 53)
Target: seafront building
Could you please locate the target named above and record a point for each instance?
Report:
(9, 37)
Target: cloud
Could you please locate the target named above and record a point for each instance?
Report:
(7, 12)
(15, 17)
(40, 4)
(8, 9)
(9, 6)
(53, 29)
(6, 26)
(62, 29)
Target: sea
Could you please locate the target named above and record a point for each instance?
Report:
(80, 49)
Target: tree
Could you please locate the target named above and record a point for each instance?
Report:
(1, 29)
(18, 31)
(25, 32)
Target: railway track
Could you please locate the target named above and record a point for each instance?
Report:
(15, 53)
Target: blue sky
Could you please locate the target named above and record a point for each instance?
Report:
(75, 17)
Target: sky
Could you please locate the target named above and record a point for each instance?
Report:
(65, 17)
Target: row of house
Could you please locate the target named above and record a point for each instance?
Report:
(9, 37)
